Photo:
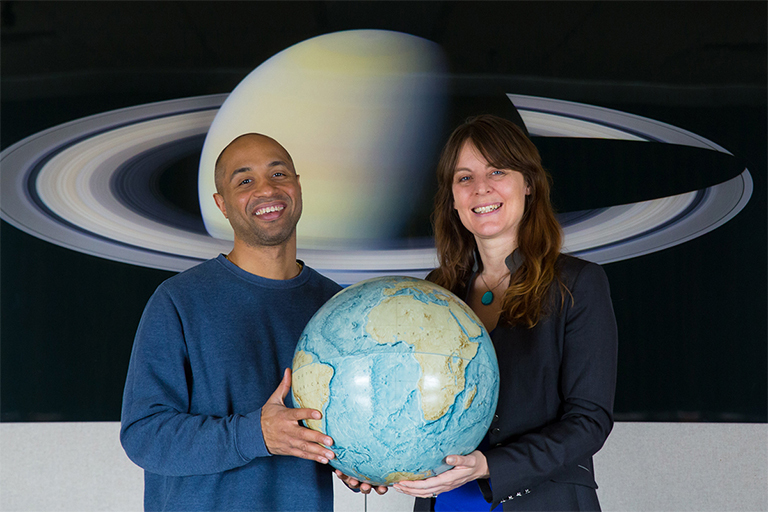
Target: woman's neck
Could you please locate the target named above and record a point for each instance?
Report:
(493, 254)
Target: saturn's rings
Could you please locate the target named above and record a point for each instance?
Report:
(62, 185)
(622, 232)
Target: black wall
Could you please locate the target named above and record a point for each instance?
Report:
(692, 318)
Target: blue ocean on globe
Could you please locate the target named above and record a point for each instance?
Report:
(404, 373)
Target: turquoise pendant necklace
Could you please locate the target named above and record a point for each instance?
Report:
(488, 297)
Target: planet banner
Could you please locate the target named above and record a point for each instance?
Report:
(651, 121)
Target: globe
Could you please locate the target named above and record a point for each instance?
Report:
(404, 373)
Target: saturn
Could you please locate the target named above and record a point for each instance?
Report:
(358, 111)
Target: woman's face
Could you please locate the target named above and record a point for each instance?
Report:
(490, 202)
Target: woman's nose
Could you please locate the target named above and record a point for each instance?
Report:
(482, 186)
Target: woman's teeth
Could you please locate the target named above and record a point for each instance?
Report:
(486, 209)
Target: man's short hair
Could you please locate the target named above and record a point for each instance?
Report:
(218, 172)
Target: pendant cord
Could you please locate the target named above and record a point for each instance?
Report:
(490, 290)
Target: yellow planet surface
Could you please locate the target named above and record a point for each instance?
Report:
(359, 112)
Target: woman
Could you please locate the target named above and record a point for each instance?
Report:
(550, 318)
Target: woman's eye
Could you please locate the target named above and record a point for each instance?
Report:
(461, 179)
(498, 172)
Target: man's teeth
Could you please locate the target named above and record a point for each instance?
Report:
(269, 209)
(486, 209)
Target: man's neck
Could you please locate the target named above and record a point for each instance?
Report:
(272, 262)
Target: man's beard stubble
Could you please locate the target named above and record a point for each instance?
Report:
(253, 236)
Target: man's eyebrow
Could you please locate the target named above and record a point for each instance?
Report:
(275, 163)
(239, 171)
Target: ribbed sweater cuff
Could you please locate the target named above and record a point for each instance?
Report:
(250, 440)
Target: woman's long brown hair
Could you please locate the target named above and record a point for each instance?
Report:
(505, 146)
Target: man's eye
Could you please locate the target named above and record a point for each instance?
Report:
(246, 181)
(279, 174)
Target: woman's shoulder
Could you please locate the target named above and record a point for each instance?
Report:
(571, 264)
(586, 281)
(572, 268)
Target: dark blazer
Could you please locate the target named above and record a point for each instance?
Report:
(555, 410)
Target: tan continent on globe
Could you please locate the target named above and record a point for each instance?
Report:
(399, 476)
(437, 334)
(311, 385)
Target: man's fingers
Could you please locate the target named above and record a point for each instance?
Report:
(311, 437)
(305, 414)
(312, 451)
(283, 433)
(366, 488)
(308, 444)
(363, 487)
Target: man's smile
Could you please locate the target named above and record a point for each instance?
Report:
(269, 209)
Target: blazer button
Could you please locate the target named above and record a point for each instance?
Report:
(495, 431)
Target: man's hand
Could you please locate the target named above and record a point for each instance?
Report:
(282, 432)
(355, 484)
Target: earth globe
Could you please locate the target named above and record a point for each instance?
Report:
(404, 373)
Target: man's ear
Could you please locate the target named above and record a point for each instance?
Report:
(220, 203)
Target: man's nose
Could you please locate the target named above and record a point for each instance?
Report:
(264, 188)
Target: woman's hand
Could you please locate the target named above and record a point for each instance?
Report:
(355, 484)
(466, 468)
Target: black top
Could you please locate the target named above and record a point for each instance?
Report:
(557, 385)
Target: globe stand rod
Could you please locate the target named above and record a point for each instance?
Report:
(365, 503)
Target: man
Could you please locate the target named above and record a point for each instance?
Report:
(201, 413)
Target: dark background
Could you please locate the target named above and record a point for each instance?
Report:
(692, 318)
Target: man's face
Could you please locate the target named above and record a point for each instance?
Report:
(259, 191)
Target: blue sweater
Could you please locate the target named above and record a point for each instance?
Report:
(210, 349)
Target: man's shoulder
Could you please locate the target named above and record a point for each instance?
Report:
(201, 274)
(322, 282)
(214, 275)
